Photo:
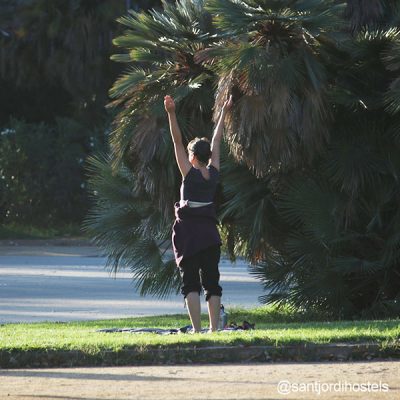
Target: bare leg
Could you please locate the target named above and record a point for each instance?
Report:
(193, 305)
(214, 304)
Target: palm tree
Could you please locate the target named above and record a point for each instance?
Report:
(160, 47)
(342, 251)
(275, 68)
(311, 226)
(310, 192)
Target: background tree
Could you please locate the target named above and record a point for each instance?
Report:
(56, 54)
(55, 73)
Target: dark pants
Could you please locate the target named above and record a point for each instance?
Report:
(201, 270)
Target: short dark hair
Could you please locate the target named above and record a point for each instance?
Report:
(201, 148)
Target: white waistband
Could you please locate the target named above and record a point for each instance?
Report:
(194, 204)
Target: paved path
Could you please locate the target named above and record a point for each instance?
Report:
(372, 380)
(63, 283)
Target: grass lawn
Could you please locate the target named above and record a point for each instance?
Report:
(273, 327)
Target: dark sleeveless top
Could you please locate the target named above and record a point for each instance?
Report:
(196, 188)
(195, 229)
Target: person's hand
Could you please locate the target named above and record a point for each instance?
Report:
(169, 104)
(227, 104)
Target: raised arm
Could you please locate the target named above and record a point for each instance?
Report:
(218, 131)
(180, 153)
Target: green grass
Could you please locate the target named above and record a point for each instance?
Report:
(83, 336)
(17, 231)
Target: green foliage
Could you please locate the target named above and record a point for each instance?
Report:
(310, 172)
(42, 178)
(160, 47)
(55, 57)
(134, 226)
(372, 13)
(55, 72)
(271, 62)
(13, 231)
(319, 225)
(128, 226)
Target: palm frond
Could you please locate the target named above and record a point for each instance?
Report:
(165, 41)
(130, 230)
(391, 57)
(272, 65)
(353, 265)
(373, 13)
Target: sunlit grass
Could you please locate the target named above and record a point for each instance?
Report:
(83, 336)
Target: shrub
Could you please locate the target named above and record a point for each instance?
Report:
(42, 178)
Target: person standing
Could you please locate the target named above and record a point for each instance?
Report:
(195, 237)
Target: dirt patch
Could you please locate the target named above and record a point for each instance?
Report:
(206, 382)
